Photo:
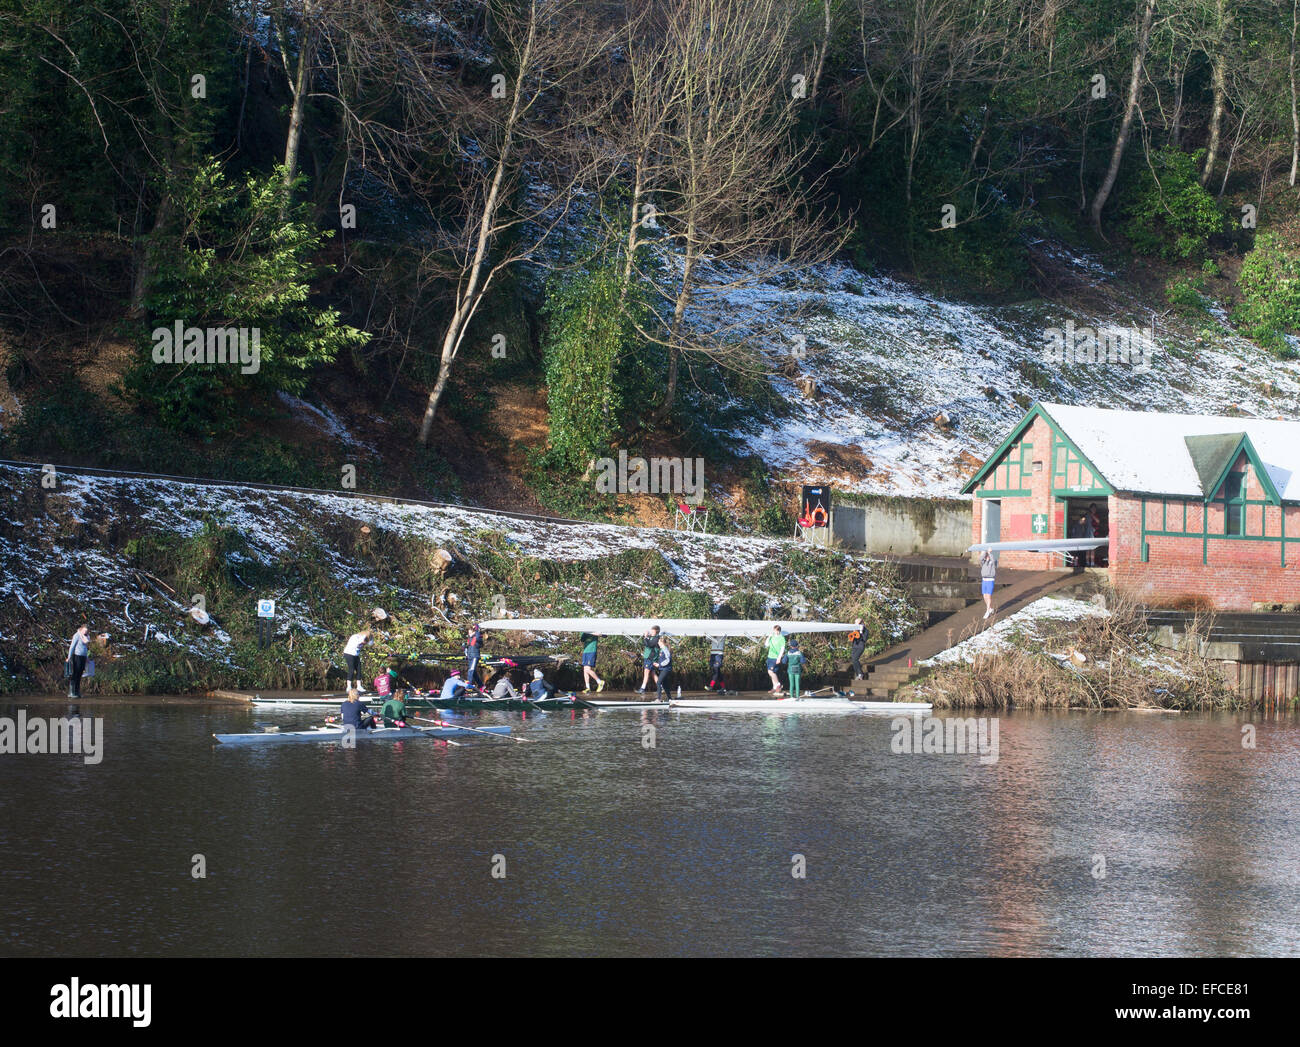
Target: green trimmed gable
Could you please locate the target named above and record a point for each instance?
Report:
(1007, 471)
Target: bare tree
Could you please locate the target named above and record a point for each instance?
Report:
(485, 138)
(1295, 110)
(1136, 73)
(726, 171)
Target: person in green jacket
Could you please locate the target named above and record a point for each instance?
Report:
(794, 665)
(589, 642)
(394, 711)
(775, 656)
(649, 652)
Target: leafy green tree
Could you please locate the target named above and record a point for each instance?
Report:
(1168, 212)
(1270, 288)
(233, 263)
(592, 327)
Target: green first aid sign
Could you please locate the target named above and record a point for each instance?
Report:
(1040, 523)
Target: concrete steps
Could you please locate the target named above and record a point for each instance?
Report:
(1234, 636)
(899, 665)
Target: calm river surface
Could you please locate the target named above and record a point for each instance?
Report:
(687, 848)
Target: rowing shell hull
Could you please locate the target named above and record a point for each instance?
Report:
(335, 734)
(425, 702)
(629, 705)
(797, 705)
(333, 702)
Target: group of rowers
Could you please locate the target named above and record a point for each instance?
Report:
(782, 651)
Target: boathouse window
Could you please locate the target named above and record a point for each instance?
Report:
(1234, 502)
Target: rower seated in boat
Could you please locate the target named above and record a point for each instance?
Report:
(454, 688)
(355, 714)
(504, 688)
(539, 688)
(394, 711)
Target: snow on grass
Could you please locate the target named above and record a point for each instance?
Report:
(887, 358)
(324, 420)
(1027, 627)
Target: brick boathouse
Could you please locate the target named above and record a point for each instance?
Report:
(1195, 507)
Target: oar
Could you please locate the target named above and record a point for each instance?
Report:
(462, 727)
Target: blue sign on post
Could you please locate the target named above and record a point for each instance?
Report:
(266, 608)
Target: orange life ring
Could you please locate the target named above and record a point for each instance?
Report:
(819, 517)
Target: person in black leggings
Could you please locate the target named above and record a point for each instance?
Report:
(78, 650)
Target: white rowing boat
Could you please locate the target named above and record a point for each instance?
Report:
(797, 705)
(628, 705)
(636, 627)
(336, 734)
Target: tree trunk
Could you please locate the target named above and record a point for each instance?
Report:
(632, 238)
(469, 298)
(435, 397)
(1130, 106)
(820, 60)
(1216, 120)
(1176, 123)
(1295, 112)
(679, 315)
(144, 266)
(299, 87)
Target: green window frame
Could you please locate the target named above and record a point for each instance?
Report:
(1234, 503)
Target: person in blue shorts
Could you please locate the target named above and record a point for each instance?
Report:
(988, 575)
(589, 642)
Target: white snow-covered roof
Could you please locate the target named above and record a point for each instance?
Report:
(1146, 451)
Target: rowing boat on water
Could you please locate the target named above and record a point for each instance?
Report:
(336, 734)
(797, 705)
(427, 702)
(627, 705)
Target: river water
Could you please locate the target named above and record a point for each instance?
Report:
(689, 847)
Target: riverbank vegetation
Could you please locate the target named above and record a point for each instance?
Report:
(1104, 659)
(131, 556)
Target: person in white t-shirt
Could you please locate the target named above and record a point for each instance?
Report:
(352, 655)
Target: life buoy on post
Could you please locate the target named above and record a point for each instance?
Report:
(819, 517)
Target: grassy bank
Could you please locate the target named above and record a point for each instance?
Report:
(127, 555)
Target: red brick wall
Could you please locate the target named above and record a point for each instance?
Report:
(1239, 573)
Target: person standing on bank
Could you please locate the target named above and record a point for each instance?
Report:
(78, 651)
(352, 655)
(717, 650)
(988, 575)
(794, 665)
(473, 651)
(663, 668)
(589, 643)
(857, 647)
(649, 652)
(775, 656)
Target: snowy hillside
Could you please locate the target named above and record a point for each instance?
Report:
(886, 359)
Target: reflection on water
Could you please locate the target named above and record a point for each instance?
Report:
(686, 848)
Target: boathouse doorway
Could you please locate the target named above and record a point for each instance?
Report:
(991, 531)
(1089, 518)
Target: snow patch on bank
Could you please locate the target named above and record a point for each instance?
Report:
(1022, 630)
